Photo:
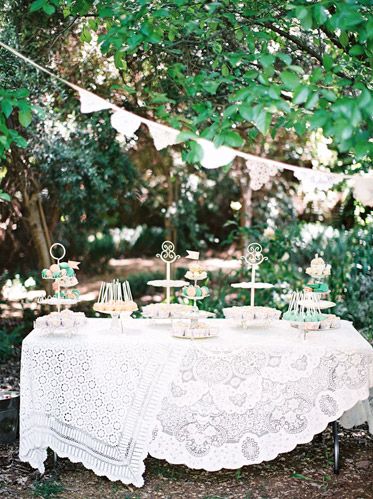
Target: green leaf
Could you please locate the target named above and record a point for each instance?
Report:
(7, 107)
(195, 152)
(343, 38)
(300, 94)
(312, 101)
(5, 196)
(246, 111)
(37, 5)
(320, 15)
(304, 14)
(49, 9)
(25, 117)
(251, 75)
(290, 79)
(20, 141)
(327, 61)
(232, 138)
(261, 119)
(356, 50)
(225, 70)
(118, 59)
(266, 60)
(300, 476)
(21, 93)
(184, 136)
(211, 86)
(286, 58)
(86, 35)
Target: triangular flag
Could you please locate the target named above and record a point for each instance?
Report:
(90, 103)
(260, 173)
(214, 157)
(316, 179)
(163, 136)
(192, 255)
(125, 123)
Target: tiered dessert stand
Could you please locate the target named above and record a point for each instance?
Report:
(115, 299)
(166, 310)
(63, 276)
(252, 315)
(191, 327)
(306, 307)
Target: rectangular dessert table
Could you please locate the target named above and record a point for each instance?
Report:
(108, 400)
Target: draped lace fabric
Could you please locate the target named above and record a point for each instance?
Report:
(229, 409)
(92, 400)
(107, 400)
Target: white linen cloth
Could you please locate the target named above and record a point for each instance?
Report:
(107, 400)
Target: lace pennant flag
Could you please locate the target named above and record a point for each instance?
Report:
(214, 157)
(163, 136)
(260, 173)
(89, 102)
(363, 189)
(125, 123)
(316, 179)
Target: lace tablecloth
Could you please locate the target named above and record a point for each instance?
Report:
(107, 400)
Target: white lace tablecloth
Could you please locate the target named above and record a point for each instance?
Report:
(107, 400)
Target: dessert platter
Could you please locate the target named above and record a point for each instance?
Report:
(166, 310)
(64, 278)
(65, 320)
(115, 299)
(306, 308)
(252, 315)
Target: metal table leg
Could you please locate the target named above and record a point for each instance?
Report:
(336, 447)
(54, 461)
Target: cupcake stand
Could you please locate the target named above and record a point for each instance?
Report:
(191, 327)
(306, 308)
(63, 276)
(252, 315)
(166, 310)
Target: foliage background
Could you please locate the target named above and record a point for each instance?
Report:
(291, 81)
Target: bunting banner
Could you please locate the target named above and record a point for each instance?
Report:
(162, 136)
(125, 123)
(90, 103)
(261, 170)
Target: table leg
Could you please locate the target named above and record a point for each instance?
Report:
(336, 447)
(54, 460)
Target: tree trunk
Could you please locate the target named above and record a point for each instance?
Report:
(37, 229)
(246, 215)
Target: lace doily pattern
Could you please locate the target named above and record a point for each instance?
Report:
(93, 401)
(230, 410)
(261, 172)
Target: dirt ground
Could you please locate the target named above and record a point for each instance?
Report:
(306, 473)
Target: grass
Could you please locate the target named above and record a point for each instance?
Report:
(47, 488)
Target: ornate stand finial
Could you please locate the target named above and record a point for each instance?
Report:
(253, 259)
(168, 256)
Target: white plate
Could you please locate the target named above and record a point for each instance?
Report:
(58, 301)
(322, 304)
(250, 285)
(168, 283)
